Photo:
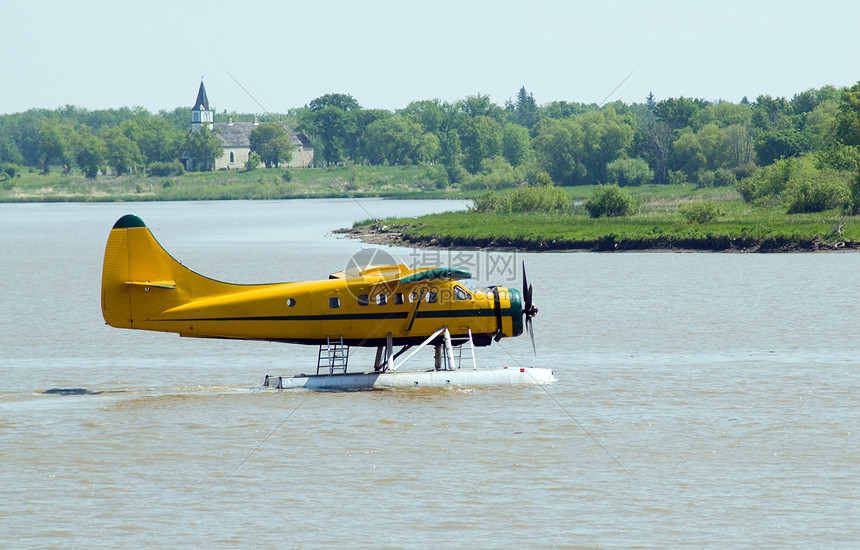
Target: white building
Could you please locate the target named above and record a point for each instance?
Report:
(236, 137)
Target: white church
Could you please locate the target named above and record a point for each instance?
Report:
(236, 137)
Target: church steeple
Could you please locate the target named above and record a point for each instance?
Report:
(201, 113)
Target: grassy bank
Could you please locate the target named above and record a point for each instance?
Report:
(363, 181)
(659, 224)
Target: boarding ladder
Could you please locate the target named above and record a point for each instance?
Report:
(455, 359)
(333, 355)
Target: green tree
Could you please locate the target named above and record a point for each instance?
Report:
(396, 140)
(678, 113)
(516, 144)
(355, 146)
(848, 119)
(525, 112)
(55, 143)
(739, 146)
(653, 141)
(345, 102)
(820, 130)
(272, 142)
(560, 143)
(480, 105)
(157, 139)
(450, 153)
(90, 153)
(332, 127)
(780, 142)
(481, 138)
(606, 136)
(768, 110)
(122, 153)
(429, 113)
(203, 147)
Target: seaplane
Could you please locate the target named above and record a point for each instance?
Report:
(381, 306)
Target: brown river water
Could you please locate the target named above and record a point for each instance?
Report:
(702, 401)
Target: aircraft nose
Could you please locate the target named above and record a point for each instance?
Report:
(516, 311)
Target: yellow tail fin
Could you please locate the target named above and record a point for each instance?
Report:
(140, 279)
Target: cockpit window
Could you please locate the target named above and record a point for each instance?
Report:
(468, 284)
(461, 294)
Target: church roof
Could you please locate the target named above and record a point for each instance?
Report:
(238, 134)
(202, 103)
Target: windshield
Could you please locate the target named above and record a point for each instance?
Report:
(468, 284)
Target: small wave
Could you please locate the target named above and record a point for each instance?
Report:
(70, 391)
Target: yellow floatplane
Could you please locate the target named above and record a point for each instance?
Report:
(382, 306)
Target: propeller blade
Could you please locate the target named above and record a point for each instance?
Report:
(532, 334)
(527, 290)
(529, 309)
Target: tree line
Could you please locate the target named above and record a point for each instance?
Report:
(474, 143)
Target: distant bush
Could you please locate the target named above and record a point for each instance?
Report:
(819, 192)
(540, 178)
(525, 198)
(166, 168)
(723, 177)
(287, 176)
(495, 173)
(677, 177)
(705, 179)
(8, 170)
(610, 201)
(839, 157)
(254, 160)
(629, 172)
(798, 183)
(435, 176)
(700, 212)
(852, 202)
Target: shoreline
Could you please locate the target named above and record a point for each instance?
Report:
(396, 236)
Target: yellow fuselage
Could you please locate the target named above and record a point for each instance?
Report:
(143, 287)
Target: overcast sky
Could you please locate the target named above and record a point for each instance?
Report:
(109, 54)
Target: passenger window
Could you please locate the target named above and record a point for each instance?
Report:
(461, 294)
(290, 302)
(334, 302)
(381, 299)
(431, 297)
(363, 299)
(413, 296)
(398, 298)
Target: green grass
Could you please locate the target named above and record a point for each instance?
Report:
(349, 181)
(657, 225)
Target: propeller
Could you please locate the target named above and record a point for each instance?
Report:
(529, 309)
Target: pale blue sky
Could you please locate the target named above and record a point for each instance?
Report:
(103, 54)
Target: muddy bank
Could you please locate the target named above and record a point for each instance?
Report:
(400, 236)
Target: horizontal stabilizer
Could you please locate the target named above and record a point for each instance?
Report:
(155, 284)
